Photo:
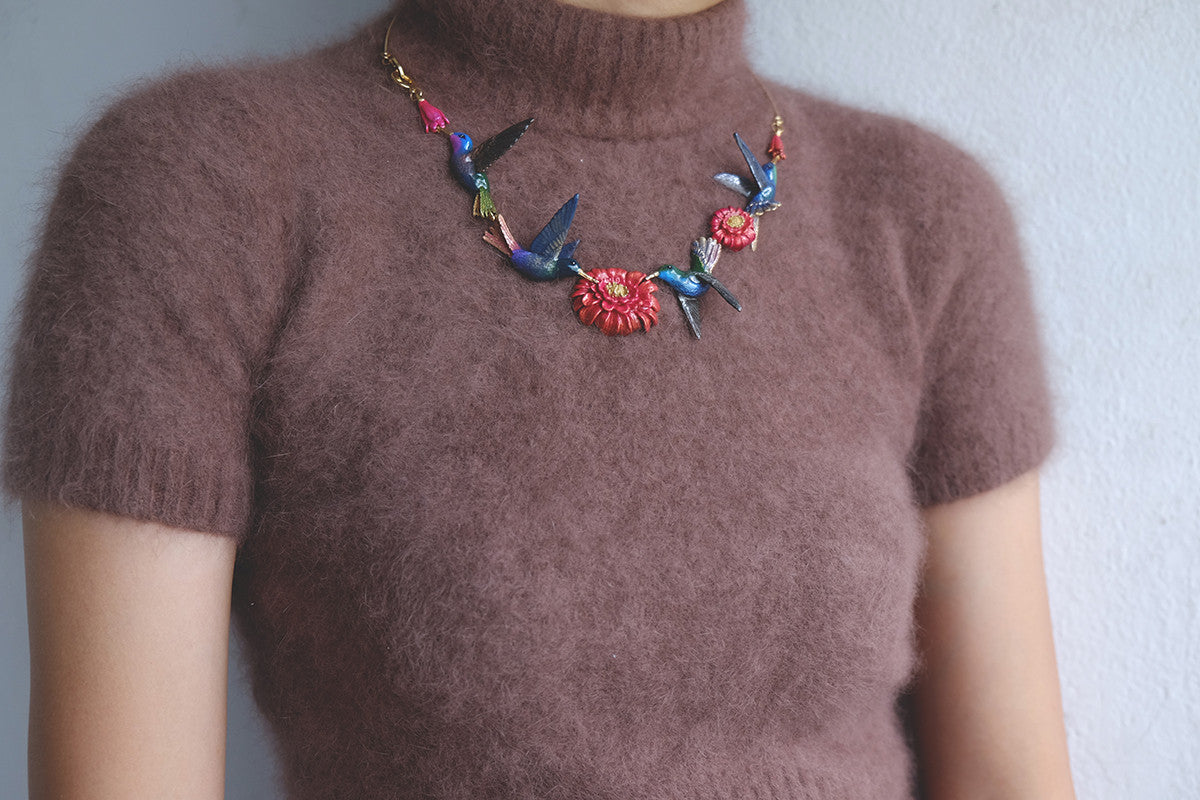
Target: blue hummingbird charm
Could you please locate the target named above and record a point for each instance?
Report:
(689, 285)
(470, 163)
(550, 255)
(760, 189)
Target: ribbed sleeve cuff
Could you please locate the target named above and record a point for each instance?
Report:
(1005, 459)
(123, 476)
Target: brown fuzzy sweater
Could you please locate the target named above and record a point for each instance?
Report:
(485, 551)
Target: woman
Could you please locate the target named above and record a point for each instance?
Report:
(475, 547)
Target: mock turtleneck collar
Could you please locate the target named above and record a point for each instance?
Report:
(599, 74)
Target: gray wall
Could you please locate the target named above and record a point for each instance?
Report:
(1087, 113)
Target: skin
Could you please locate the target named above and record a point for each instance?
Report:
(988, 704)
(128, 637)
(129, 625)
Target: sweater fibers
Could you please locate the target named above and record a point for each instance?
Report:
(485, 551)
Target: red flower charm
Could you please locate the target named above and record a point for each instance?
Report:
(734, 227)
(618, 302)
(775, 148)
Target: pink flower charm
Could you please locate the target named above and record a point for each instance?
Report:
(618, 302)
(432, 116)
(734, 227)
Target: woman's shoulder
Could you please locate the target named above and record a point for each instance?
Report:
(220, 115)
(895, 183)
(886, 158)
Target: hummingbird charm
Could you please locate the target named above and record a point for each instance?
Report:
(550, 255)
(760, 190)
(689, 285)
(470, 163)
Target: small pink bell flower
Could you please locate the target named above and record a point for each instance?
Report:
(432, 116)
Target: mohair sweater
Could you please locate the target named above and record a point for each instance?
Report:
(485, 551)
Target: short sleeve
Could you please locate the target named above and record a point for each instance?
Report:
(145, 314)
(985, 412)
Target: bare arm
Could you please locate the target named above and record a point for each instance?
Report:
(989, 711)
(128, 633)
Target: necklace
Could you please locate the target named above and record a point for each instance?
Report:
(615, 300)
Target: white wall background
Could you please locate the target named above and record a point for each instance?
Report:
(1087, 111)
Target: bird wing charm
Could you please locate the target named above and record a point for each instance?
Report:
(486, 154)
(568, 251)
(705, 252)
(551, 255)
(691, 312)
(760, 191)
(743, 186)
(549, 242)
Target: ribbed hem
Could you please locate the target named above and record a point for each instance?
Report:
(782, 783)
(882, 773)
(122, 476)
